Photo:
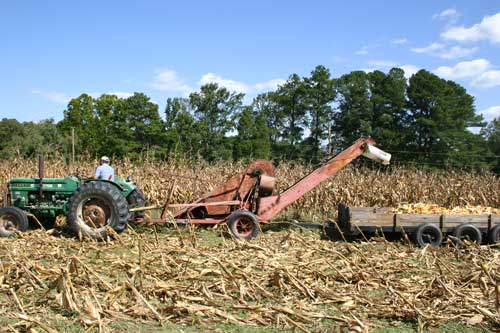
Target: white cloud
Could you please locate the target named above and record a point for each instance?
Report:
(382, 63)
(487, 29)
(491, 113)
(457, 52)
(362, 51)
(442, 51)
(399, 41)
(487, 79)
(446, 14)
(269, 85)
(409, 70)
(121, 94)
(168, 80)
(239, 86)
(231, 85)
(431, 48)
(464, 69)
(53, 96)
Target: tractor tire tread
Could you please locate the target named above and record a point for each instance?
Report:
(108, 193)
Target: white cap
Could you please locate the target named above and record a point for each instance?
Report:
(105, 159)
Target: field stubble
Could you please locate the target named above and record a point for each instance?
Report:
(193, 278)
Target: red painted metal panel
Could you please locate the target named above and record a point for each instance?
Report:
(269, 207)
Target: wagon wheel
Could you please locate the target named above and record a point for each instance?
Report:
(12, 219)
(467, 232)
(494, 235)
(428, 234)
(243, 225)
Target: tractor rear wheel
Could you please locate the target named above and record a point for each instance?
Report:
(95, 207)
(12, 219)
(136, 199)
(243, 225)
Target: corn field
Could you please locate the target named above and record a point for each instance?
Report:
(389, 187)
(191, 279)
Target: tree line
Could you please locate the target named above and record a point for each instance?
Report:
(424, 120)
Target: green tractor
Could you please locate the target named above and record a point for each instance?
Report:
(91, 206)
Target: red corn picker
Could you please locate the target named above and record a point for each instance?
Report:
(248, 198)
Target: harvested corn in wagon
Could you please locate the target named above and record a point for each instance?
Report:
(423, 208)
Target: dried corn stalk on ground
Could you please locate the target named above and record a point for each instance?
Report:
(422, 208)
(285, 280)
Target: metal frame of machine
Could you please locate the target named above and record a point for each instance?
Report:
(247, 199)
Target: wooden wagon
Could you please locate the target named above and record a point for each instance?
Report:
(424, 228)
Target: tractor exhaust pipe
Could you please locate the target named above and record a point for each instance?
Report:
(41, 172)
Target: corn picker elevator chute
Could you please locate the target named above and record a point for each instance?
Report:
(249, 198)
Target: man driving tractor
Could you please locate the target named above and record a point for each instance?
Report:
(104, 171)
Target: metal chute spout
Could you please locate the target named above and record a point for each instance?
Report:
(377, 154)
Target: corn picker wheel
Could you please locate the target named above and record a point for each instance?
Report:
(136, 199)
(94, 207)
(243, 225)
(428, 234)
(12, 219)
(494, 235)
(467, 232)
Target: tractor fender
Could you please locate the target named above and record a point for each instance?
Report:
(107, 181)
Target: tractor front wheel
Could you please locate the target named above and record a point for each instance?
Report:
(95, 207)
(12, 219)
(243, 225)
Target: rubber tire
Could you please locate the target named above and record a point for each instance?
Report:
(418, 236)
(494, 235)
(470, 229)
(113, 198)
(18, 216)
(136, 199)
(233, 224)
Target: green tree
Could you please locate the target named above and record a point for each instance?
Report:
(441, 112)
(355, 115)
(182, 135)
(492, 135)
(214, 109)
(273, 117)
(290, 103)
(262, 144)
(11, 134)
(320, 94)
(388, 105)
(135, 126)
(252, 141)
(80, 115)
(244, 142)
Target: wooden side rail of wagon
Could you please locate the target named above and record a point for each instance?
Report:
(424, 228)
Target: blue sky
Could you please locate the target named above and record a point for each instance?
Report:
(51, 51)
